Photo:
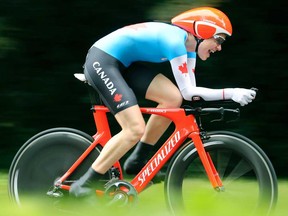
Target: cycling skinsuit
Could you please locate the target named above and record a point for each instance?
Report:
(112, 64)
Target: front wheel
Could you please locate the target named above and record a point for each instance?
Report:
(46, 157)
(247, 174)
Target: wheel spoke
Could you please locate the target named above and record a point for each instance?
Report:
(45, 158)
(244, 169)
(222, 161)
(241, 168)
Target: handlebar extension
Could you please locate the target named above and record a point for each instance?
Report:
(199, 111)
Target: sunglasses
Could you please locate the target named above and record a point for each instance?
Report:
(219, 39)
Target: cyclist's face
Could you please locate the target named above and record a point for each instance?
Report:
(209, 46)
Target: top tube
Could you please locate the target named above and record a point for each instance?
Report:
(182, 111)
(195, 110)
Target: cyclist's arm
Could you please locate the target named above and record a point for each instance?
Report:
(185, 80)
(191, 63)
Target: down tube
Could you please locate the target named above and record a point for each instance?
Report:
(159, 159)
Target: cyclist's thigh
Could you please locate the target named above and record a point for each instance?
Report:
(139, 76)
(152, 85)
(131, 118)
(103, 73)
(164, 91)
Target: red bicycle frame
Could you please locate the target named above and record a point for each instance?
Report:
(185, 127)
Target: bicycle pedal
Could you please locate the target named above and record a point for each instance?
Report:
(55, 194)
(110, 182)
(119, 200)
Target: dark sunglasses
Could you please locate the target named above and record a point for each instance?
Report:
(219, 39)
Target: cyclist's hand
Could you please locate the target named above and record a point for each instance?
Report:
(243, 96)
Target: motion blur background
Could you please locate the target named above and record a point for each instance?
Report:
(44, 42)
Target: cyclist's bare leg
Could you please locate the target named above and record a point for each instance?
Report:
(167, 95)
(133, 126)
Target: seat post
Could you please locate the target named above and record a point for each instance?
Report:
(94, 96)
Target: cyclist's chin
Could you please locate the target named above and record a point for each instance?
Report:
(203, 57)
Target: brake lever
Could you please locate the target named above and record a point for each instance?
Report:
(237, 111)
(222, 112)
(218, 120)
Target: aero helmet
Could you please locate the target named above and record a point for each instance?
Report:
(204, 22)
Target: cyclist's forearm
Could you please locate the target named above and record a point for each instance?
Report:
(207, 93)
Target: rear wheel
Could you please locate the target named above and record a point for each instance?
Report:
(247, 174)
(45, 158)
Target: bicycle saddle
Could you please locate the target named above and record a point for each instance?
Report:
(80, 76)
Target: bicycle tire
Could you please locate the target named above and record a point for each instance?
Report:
(46, 157)
(241, 164)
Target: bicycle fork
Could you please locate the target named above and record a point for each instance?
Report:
(207, 162)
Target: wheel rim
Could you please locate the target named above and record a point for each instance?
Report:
(234, 170)
(44, 160)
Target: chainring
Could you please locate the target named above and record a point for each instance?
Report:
(120, 193)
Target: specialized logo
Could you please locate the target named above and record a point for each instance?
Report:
(156, 110)
(183, 68)
(157, 159)
(103, 76)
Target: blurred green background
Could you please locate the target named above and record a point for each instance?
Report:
(44, 42)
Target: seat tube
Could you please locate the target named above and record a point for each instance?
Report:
(206, 161)
(101, 122)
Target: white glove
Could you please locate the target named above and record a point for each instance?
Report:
(243, 96)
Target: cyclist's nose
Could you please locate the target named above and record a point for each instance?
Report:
(219, 47)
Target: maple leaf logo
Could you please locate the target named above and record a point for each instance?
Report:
(118, 97)
(183, 68)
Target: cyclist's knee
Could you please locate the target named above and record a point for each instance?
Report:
(134, 131)
(132, 123)
(177, 99)
(173, 100)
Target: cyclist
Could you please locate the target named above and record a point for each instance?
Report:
(114, 68)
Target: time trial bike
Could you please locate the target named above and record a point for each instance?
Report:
(226, 162)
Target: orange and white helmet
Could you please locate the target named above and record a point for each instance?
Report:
(204, 22)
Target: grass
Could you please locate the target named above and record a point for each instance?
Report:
(151, 203)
